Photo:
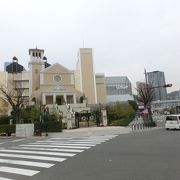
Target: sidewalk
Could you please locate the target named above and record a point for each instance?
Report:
(92, 131)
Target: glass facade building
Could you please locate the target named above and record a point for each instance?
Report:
(118, 88)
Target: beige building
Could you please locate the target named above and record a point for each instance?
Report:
(101, 89)
(55, 84)
(14, 80)
(84, 75)
(51, 85)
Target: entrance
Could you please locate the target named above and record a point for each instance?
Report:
(86, 119)
(59, 100)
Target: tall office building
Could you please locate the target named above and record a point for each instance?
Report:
(84, 75)
(157, 79)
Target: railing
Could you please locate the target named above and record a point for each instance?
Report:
(140, 126)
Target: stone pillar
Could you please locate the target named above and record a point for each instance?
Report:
(104, 117)
(44, 99)
(74, 98)
(69, 121)
(65, 99)
(54, 98)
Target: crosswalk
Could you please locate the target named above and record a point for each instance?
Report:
(27, 160)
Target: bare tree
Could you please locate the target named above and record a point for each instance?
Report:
(145, 95)
(13, 93)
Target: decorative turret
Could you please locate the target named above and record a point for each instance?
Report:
(46, 64)
(14, 59)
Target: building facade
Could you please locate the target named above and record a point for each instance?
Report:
(157, 80)
(85, 76)
(54, 85)
(15, 80)
(101, 89)
(118, 88)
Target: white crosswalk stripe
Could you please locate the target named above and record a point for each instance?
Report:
(42, 145)
(2, 178)
(87, 141)
(62, 138)
(73, 142)
(66, 144)
(46, 158)
(48, 149)
(18, 140)
(26, 163)
(38, 154)
(25, 172)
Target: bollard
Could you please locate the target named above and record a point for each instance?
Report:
(133, 127)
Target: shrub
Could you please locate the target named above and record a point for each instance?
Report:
(50, 126)
(120, 122)
(7, 128)
(4, 120)
(120, 114)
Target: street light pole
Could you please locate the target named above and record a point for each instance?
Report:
(148, 105)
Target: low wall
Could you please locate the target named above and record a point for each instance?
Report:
(24, 130)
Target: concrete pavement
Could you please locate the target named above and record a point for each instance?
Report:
(90, 131)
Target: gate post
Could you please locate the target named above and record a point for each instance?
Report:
(104, 117)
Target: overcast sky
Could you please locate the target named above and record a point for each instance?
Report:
(126, 35)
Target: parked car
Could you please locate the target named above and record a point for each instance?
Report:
(172, 122)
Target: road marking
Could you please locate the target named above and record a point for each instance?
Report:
(18, 140)
(42, 145)
(61, 138)
(65, 144)
(25, 172)
(101, 137)
(46, 158)
(53, 149)
(72, 141)
(38, 152)
(2, 178)
(26, 163)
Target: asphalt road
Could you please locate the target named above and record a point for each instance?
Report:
(146, 155)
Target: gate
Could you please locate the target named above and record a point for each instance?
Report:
(87, 119)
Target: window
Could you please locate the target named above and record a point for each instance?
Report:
(57, 78)
(171, 118)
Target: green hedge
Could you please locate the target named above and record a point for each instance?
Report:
(4, 120)
(7, 128)
(51, 126)
(120, 122)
